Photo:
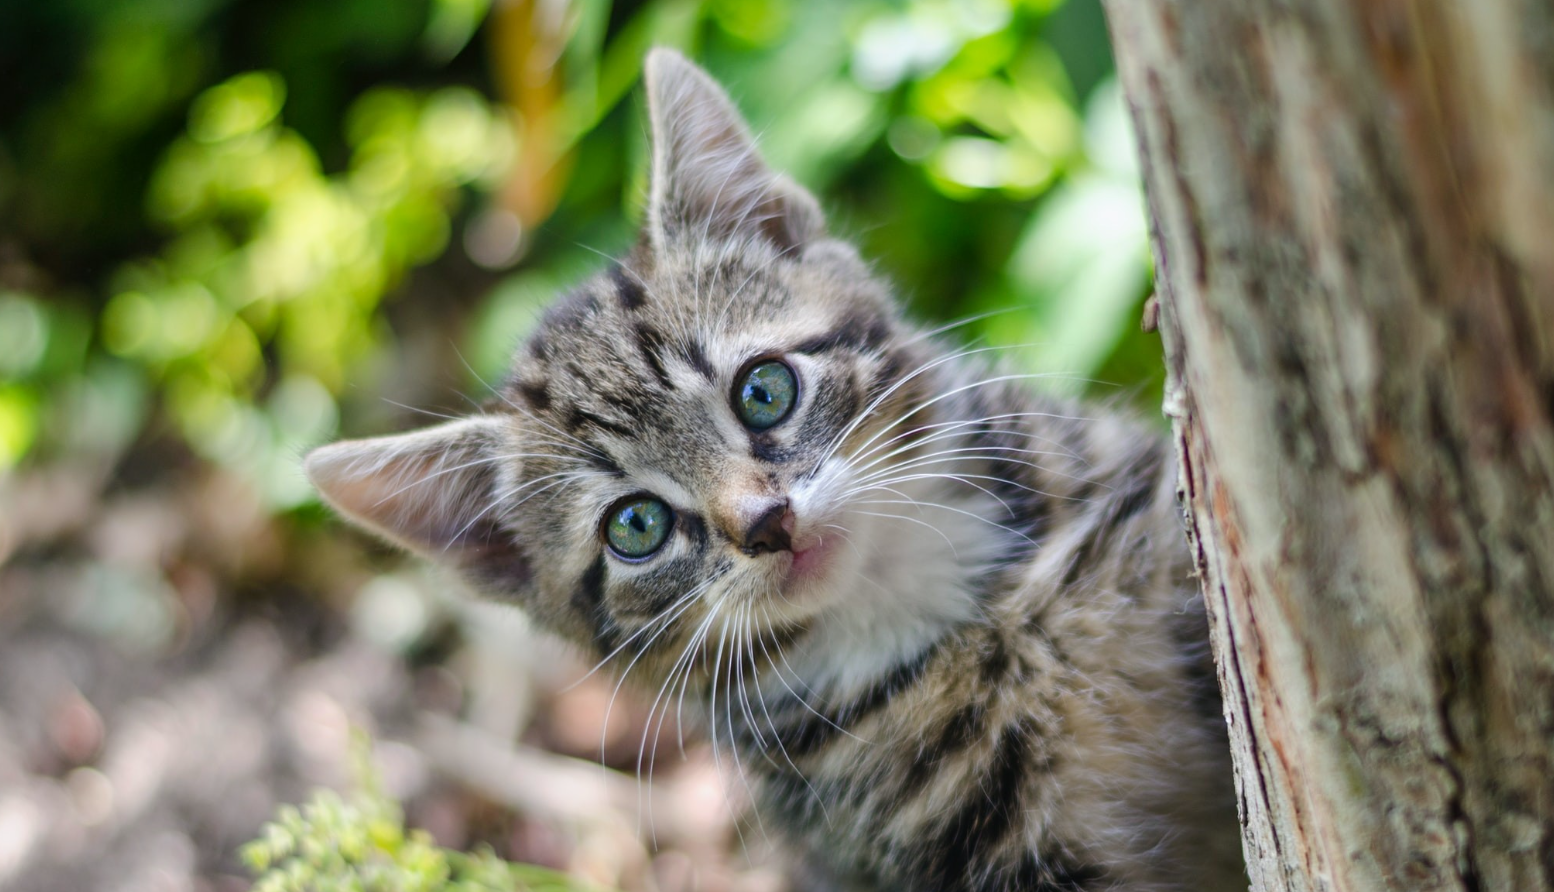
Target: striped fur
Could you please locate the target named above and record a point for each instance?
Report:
(981, 665)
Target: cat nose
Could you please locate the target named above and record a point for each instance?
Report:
(772, 530)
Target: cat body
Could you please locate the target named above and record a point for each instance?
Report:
(945, 627)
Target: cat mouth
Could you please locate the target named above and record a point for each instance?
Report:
(812, 562)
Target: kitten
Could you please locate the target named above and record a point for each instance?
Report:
(947, 626)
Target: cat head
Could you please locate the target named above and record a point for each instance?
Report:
(681, 437)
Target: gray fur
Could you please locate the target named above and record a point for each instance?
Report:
(994, 676)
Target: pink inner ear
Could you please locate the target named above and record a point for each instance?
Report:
(708, 177)
(421, 490)
(367, 484)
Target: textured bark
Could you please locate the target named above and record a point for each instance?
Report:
(1353, 209)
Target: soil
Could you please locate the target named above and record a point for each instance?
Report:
(176, 662)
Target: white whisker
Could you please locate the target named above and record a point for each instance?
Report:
(918, 503)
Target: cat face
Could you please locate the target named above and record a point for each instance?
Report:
(683, 437)
(684, 414)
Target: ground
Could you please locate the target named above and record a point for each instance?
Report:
(175, 663)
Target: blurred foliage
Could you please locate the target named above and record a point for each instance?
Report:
(226, 223)
(360, 844)
(267, 253)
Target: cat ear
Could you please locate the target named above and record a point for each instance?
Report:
(431, 491)
(708, 180)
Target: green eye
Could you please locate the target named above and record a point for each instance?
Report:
(638, 526)
(766, 395)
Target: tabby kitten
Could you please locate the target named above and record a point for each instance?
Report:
(945, 625)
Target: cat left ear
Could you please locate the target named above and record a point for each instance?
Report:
(431, 491)
(708, 180)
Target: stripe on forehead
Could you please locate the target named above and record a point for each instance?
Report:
(860, 330)
(655, 349)
(628, 288)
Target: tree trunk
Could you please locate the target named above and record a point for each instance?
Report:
(1353, 210)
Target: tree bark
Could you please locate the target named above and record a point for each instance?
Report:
(1353, 213)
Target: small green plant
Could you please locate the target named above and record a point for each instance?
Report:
(359, 843)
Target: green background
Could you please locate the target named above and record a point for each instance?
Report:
(230, 230)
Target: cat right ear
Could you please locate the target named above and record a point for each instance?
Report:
(432, 491)
(708, 180)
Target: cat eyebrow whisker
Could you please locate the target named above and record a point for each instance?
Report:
(972, 454)
(875, 403)
(558, 457)
(564, 477)
(951, 431)
(553, 456)
(427, 478)
(577, 442)
(571, 444)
